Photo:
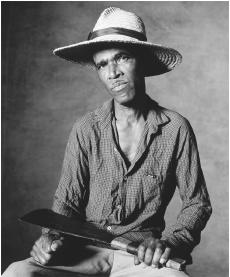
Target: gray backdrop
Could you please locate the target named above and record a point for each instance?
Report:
(43, 95)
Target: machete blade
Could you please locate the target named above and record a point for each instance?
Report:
(49, 219)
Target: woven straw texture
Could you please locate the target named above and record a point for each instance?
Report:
(156, 58)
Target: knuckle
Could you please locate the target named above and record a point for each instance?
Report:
(141, 248)
(149, 253)
(159, 250)
(150, 242)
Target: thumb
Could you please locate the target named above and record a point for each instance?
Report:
(55, 245)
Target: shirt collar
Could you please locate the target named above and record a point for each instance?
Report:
(154, 114)
(104, 114)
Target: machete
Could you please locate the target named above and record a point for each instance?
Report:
(49, 219)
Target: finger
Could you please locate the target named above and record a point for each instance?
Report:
(141, 253)
(136, 260)
(44, 243)
(149, 256)
(56, 244)
(34, 256)
(42, 256)
(157, 255)
(165, 256)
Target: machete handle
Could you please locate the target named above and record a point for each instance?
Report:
(49, 219)
(121, 243)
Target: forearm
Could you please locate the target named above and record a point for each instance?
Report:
(184, 235)
(196, 209)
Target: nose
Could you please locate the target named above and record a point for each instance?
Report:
(114, 71)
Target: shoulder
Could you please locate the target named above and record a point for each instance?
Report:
(91, 121)
(167, 118)
(177, 122)
(175, 117)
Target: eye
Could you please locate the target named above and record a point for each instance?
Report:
(122, 58)
(100, 65)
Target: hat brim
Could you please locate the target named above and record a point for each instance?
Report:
(157, 59)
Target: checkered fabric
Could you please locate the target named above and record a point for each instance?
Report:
(97, 184)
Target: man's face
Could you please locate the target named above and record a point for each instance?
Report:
(120, 72)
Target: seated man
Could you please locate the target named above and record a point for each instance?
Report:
(122, 164)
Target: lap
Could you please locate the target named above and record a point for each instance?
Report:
(102, 263)
(91, 261)
(123, 266)
(29, 268)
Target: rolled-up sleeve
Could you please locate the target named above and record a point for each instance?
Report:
(196, 209)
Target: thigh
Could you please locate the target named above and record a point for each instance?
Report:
(123, 266)
(94, 261)
(29, 268)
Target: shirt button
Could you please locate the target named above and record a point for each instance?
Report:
(152, 176)
(109, 228)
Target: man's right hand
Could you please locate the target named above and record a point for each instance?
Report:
(46, 246)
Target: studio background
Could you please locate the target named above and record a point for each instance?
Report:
(43, 95)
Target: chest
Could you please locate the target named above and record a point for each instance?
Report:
(129, 137)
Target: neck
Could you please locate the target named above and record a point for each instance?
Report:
(131, 112)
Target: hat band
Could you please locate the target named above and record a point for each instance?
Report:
(117, 30)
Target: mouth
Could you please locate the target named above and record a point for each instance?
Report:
(119, 86)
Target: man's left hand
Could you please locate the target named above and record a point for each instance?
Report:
(152, 252)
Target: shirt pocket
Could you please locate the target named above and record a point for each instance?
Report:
(151, 190)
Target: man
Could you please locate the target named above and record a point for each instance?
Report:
(123, 163)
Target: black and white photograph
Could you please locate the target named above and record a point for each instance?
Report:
(115, 132)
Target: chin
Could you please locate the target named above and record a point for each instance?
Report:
(124, 99)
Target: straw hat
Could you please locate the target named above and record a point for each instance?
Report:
(119, 28)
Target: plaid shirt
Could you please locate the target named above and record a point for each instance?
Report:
(97, 185)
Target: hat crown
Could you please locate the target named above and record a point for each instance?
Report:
(119, 27)
(117, 18)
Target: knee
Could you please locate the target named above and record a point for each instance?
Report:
(18, 269)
